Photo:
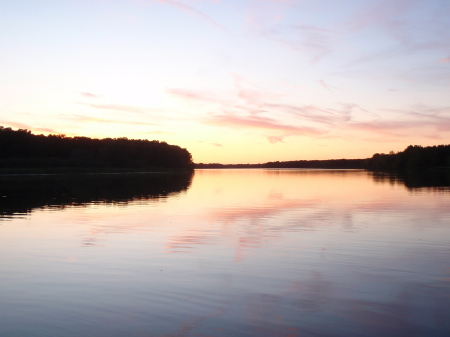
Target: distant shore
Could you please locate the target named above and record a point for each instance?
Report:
(414, 157)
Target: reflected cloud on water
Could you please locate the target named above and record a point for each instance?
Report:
(253, 222)
(239, 253)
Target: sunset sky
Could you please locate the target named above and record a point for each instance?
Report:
(233, 81)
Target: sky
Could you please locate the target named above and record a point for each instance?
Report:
(233, 81)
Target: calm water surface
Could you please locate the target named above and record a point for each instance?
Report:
(225, 253)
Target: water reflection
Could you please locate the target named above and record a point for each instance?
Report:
(20, 194)
(438, 179)
(240, 253)
(433, 180)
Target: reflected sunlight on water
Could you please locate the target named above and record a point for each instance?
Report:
(235, 253)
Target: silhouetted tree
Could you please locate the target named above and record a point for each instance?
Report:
(413, 157)
(20, 148)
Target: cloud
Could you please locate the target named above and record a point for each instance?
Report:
(87, 119)
(120, 107)
(194, 95)
(427, 124)
(249, 108)
(275, 139)
(314, 114)
(28, 127)
(247, 96)
(90, 95)
(385, 13)
(272, 21)
(194, 13)
(424, 33)
(311, 41)
(444, 60)
(214, 144)
(323, 84)
(263, 123)
(250, 92)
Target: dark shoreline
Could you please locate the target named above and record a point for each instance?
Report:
(84, 170)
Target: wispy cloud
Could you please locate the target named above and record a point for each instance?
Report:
(421, 122)
(194, 95)
(250, 106)
(251, 93)
(275, 139)
(314, 114)
(271, 20)
(213, 144)
(323, 84)
(257, 122)
(310, 41)
(444, 60)
(191, 11)
(387, 13)
(122, 108)
(90, 95)
(406, 37)
(90, 119)
(28, 127)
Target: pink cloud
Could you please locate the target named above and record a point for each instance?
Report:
(275, 139)
(387, 12)
(84, 119)
(28, 127)
(194, 13)
(120, 107)
(311, 41)
(444, 60)
(90, 95)
(194, 95)
(252, 93)
(240, 81)
(315, 50)
(257, 122)
(214, 144)
(323, 84)
(419, 125)
(314, 114)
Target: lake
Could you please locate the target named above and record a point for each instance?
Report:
(225, 253)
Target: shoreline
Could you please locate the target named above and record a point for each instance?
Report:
(81, 170)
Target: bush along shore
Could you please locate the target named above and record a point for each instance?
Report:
(24, 152)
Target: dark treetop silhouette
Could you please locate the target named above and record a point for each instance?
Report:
(413, 157)
(22, 149)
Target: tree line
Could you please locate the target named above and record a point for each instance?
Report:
(413, 157)
(22, 149)
(331, 163)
